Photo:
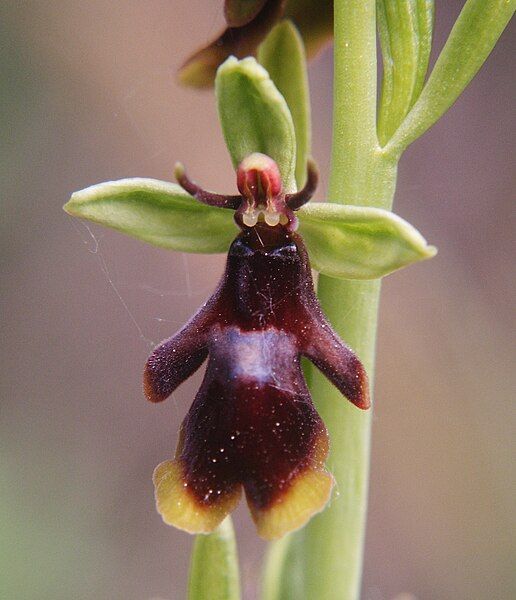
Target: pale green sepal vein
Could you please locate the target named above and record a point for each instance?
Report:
(214, 566)
(157, 212)
(255, 117)
(354, 242)
(291, 78)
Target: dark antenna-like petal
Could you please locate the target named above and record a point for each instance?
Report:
(210, 198)
(296, 201)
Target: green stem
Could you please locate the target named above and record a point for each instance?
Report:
(354, 95)
(324, 560)
(331, 545)
(214, 566)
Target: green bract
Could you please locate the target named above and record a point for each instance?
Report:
(349, 242)
(476, 31)
(255, 117)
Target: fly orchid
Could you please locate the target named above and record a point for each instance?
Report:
(253, 425)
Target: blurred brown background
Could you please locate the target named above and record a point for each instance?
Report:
(88, 94)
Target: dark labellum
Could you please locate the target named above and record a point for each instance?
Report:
(253, 425)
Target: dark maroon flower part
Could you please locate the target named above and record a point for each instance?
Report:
(240, 39)
(253, 424)
(248, 23)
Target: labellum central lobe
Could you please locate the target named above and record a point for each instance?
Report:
(253, 425)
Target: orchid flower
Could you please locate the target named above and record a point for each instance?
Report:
(253, 424)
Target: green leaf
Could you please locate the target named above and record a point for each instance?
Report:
(405, 30)
(354, 242)
(282, 54)
(157, 212)
(214, 567)
(255, 116)
(425, 25)
(471, 40)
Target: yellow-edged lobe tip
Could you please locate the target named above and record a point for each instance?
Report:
(307, 496)
(179, 507)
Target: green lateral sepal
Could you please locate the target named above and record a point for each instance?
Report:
(355, 242)
(157, 212)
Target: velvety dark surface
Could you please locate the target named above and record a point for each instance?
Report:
(257, 435)
(253, 421)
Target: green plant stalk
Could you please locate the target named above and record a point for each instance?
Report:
(331, 545)
(214, 567)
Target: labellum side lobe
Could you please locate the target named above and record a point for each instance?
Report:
(253, 424)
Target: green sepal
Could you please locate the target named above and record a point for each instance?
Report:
(355, 242)
(255, 117)
(349, 242)
(157, 212)
(282, 54)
